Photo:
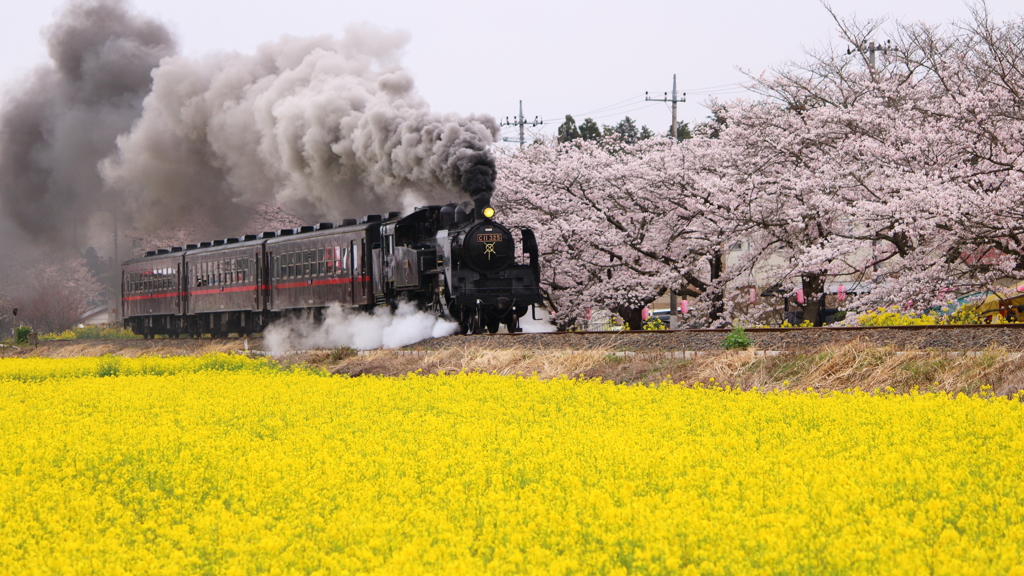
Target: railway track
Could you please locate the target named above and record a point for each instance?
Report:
(957, 337)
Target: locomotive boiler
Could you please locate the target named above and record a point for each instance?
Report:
(453, 260)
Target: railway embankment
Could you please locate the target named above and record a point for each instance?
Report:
(982, 359)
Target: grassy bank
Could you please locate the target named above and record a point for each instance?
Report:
(834, 367)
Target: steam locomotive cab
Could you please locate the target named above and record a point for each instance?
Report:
(459, 266)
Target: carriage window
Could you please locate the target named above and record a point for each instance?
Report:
(320, 261)
(355, 259)
(306, 257)
(344, 259)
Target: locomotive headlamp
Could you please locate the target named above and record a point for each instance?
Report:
(488, 212)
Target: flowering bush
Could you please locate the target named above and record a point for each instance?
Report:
(893, 317)
(227, 465)
(654, 323)
(93, 332)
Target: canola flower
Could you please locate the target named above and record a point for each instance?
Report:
(224, 465)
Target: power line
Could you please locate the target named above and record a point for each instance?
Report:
(645, 106)
(626, 102)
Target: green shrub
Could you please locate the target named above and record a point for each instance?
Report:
(90, 332)
(21, 334)
(116, 333)
(737, 339)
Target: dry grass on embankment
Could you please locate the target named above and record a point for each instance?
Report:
(835, 366)
(832, 367)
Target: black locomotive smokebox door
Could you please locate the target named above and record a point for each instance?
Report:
(488, 248)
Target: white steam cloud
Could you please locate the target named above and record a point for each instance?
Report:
(357, 330)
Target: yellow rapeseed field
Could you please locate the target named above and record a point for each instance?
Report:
(225, 465)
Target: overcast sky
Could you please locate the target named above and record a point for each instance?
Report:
(593, 58)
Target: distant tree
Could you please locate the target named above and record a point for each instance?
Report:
(645, 133)
(713, 126)
(568, 131)
(589, 130)
(627, 130)
(56, 295)
(682, 131)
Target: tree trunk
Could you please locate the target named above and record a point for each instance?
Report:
(715, 293)
(814, 286)
(633, 316)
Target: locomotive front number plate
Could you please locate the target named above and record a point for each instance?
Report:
(488, 237)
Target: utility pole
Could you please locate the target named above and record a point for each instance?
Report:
(674, 100)
(521, 122)
(673, 304)
(872, 49)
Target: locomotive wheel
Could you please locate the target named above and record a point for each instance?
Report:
(493, 325)
(513, 325)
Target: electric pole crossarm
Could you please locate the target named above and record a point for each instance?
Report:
(675, 100)
(521, 123)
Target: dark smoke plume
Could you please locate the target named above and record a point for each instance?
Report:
(328, 128)
(325, 127)
(64, 119)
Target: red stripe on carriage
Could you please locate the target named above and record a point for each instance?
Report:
(227, 289)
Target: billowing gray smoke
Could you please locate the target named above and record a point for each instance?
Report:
(66, 116)
(327, 128)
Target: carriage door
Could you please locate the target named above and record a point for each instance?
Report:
(270, 270)
(253, 275)
(352, 266)
(179, 295)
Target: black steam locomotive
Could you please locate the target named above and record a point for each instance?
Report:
(449, 260)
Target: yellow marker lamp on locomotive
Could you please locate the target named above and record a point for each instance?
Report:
(488, 212)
